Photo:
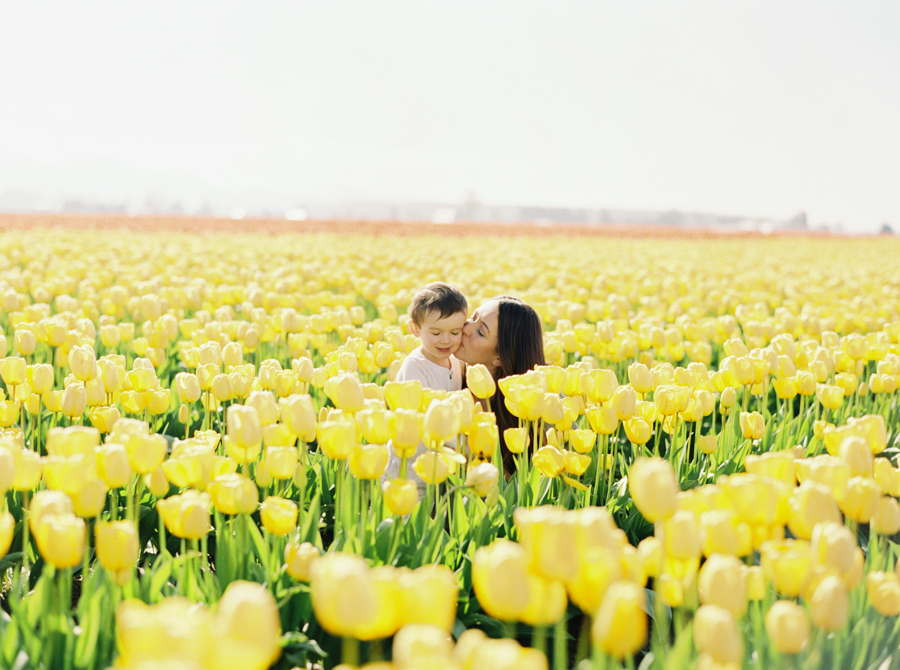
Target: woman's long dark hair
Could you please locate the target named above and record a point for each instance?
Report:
(520, 347)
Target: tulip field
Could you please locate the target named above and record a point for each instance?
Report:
(194, 429)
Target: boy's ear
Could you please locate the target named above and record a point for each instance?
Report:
(413, 327)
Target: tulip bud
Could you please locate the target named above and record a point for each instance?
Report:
(883, 589)
(516, 439)
(620, 625)
(298, 558)
(432, 467)
(788, 627)
(117, 545)
(278, 515)
(500, 579)
(7, 526)
(60, 539)
(400, 496)
(753, 426)
(367, 461)
(653, 486)
(246, 626)
(829, 607)
(480, 382)
(430, 596)
(716, 634)
(234, 494)
(722, 582)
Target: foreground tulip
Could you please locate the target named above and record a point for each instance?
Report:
(403, 395)
(60, 539)
(298, 558)
(620, 625)
(430, 596)
(336, 439)
(722, 582)
(299, 414)
(244, 437)
(500, 579)
(516, 439)
(753, 426)
(432, 467)
(716, 633)
(400, 496)
(480, 382)
(654, 487)
(117, 545)
(350, 600)
(788, 627)
(482, 478)
(245, 629)
(174, 631)
(186, 515)
(829, 606)
(278, 516)
(883, 589)
(7, 526)
(234, 494)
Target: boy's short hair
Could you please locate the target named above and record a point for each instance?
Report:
(437, 297)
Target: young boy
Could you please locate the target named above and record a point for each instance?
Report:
(436, 316)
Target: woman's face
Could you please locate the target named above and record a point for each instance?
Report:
(479, 340)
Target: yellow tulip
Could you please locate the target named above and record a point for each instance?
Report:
(186, 515)
(829, 607)
(653, 486)
(345, 391)
(716, 633)
(432, 467)
(367, 461)
(883, 589)
(482, 478)
(28, 471)
(430, 595)
(620, 625)
(60, 539)
(786, 564)
(278, 515)
(246, 628)
(232, 494)
(787, 627)
(347, 599)
(406, 431)
(753, 426)
(721, 581)
(516, 439)
(550, 461)
(7, 526)
(500, 579)
(637, 430)
(480, 382)
(74, 400)
(298, 558)
(403, 395)
(400, 496)
(603, 420)
(117, 545)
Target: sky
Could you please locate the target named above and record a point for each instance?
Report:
(756, 108)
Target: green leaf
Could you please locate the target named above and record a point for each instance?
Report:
(679, 656)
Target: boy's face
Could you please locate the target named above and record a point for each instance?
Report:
(440, 336)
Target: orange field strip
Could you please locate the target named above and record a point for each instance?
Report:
(206, 225)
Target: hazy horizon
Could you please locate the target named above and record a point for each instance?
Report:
(756, 109)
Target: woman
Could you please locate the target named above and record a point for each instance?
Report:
(505, 336)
